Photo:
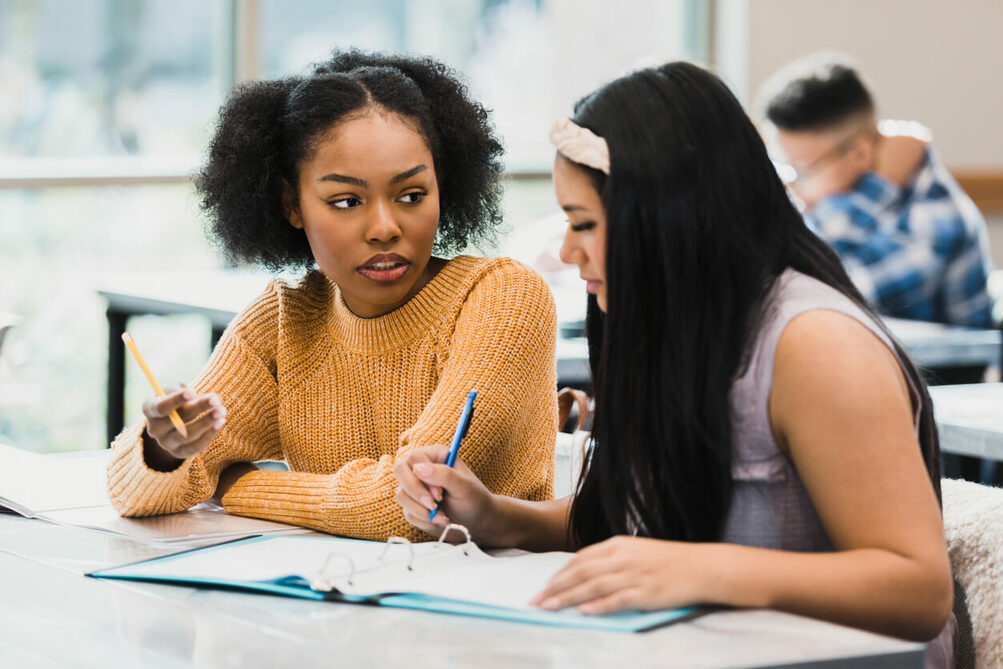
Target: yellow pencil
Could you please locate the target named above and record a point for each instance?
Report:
(175, 418)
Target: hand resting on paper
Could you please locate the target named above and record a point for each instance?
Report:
(164, 447)
(629, 573)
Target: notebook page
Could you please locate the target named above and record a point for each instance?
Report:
(508, 582)
(439, 570)
(33, 483)
(199, 522)
(268, 559)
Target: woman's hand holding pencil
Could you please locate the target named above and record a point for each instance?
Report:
(426, 482)
(203, 415)
(179, 423)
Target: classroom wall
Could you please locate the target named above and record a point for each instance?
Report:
(595, 41)
(936, 61)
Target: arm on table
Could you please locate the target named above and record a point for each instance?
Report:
(142, 484)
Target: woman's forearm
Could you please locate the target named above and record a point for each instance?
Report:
(872, 589)
(535, 526)
(229, 476)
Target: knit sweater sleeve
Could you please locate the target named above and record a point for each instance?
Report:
(501, 345)
(241, 372)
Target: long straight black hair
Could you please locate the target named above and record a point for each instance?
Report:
(699, 227)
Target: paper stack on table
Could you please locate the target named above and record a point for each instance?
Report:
(69, 489)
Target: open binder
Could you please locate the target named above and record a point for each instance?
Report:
(433, 576)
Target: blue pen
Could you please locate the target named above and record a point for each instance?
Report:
(461, 430)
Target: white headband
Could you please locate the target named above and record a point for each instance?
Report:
(580, 145)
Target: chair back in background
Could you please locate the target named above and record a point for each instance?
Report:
(574, 413)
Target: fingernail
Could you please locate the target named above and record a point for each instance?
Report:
(187, 395)
(440, 520)
(423, 470)
(427, 501)
(219, 413)
(218, 425)
(536, 599)
(587, 609)
(550, 604)
(214, 401)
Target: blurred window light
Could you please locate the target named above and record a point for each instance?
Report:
(106, 106)
(526, 60)
(108, 77)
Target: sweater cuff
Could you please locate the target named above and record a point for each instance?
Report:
(297, 498)
(136, 490)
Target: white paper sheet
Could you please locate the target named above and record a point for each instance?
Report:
(70, 489)
(276, 558)
(201, 522)
(33, 483)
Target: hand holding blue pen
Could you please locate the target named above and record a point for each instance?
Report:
(461, 430)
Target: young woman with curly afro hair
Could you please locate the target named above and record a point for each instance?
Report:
(356, 172)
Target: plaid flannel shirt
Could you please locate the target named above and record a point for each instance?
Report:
(918, 252)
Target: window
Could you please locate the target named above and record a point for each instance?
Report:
(108, 104)
(106, 108)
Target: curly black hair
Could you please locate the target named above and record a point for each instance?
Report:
(267, 129)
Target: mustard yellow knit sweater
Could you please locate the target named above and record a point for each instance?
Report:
(341, 399)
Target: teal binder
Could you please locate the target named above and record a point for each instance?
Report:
(435, 576)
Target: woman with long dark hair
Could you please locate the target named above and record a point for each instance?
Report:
(760, 439)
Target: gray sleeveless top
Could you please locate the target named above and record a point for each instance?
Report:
(770, 507)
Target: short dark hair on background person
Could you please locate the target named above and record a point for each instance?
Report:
(816, 94)
(267, 129)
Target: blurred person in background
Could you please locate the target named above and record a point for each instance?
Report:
(910, 238)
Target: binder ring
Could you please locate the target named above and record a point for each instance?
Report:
(461, 528)
(399, 540)
(322, 582)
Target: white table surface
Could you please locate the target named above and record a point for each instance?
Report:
(929, 345)
(52, 615)
(937, 345)
(970, 419)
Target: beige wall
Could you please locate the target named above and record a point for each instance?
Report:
(595, 41)
(936, 61)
